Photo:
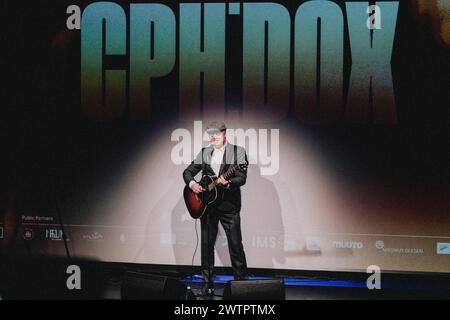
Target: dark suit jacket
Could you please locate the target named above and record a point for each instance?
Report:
(233, 154)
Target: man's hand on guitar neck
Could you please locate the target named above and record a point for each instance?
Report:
(221, 180)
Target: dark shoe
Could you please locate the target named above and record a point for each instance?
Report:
(208, 277)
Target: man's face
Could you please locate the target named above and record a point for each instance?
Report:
(218, 138)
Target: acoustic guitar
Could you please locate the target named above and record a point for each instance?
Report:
(197, 203)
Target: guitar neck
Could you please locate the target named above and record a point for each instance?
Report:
(226, 175)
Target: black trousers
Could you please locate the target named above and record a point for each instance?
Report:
(231, 223)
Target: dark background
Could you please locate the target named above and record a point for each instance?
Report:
(51, 151)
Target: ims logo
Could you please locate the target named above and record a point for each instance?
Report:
(266, 242)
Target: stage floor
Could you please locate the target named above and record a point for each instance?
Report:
(306, 289)
(45, 278)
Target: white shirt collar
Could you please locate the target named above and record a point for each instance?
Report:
(222, 148)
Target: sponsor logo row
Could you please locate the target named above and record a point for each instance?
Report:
(57, 234)
(312, 244)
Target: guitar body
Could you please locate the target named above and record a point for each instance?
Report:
(197, 203)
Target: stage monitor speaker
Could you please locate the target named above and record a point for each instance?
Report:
(142, 286)
(255, 290)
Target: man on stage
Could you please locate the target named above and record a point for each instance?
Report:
(215, 160)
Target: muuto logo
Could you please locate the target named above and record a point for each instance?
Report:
(347, 245)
